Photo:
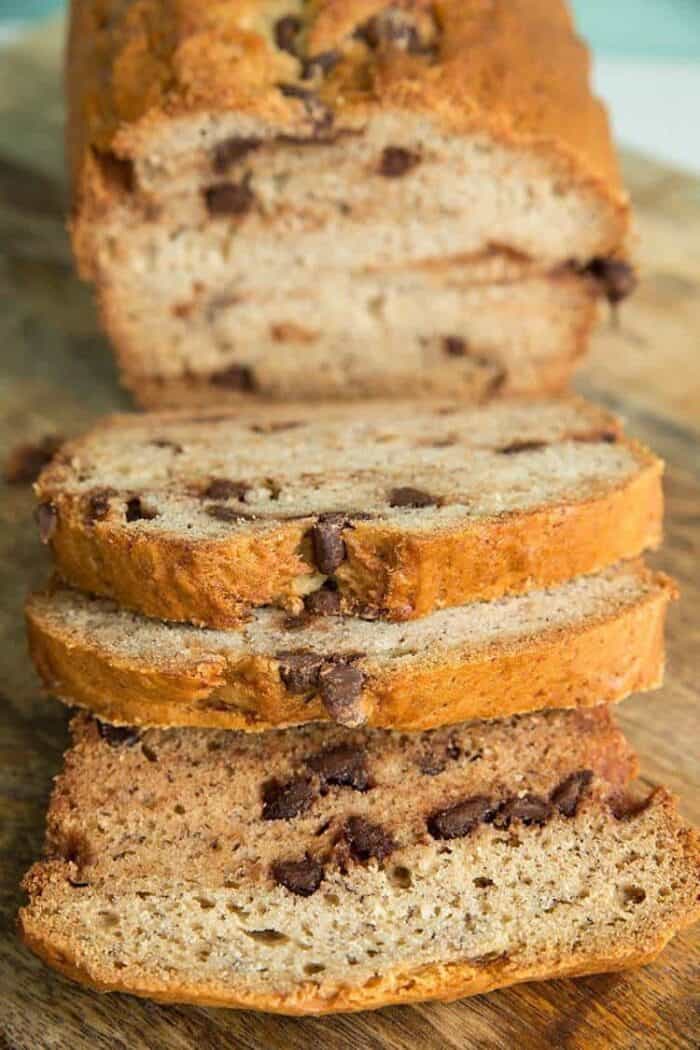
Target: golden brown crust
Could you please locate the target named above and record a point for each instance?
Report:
(443, 982)
(515, 70)
(598, 661)
(396, 573)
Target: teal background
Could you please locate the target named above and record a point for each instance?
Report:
(630, 28)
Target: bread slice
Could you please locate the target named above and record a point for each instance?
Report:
(282, 193)
(589, 641)
(403, 507)
(317, 869)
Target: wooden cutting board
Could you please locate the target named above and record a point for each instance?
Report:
(56, 375)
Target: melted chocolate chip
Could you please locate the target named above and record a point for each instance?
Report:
(342, 766)
(457, 821)
(167, 443)
(47, 519)
(366, 840)
(137, 510)
(286, 31)
(454, 345)
(322, 63)
(283, 801)
(410, 497)
(327, 542)
(341, 692)
(530, 809)
(616, 278)
(522, 446)
(275, 428)
(299, 671)
(396, 161)
(236, 377)
(321, 116)
(222, 512)
(26, 462)
(324, 602)
(302, 877)
(223, 488)
(230, 198)
(568, 794)
(118, 736)
(98, 504)
(231, 150)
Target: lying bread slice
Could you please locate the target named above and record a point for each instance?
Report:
(404, 507)
(592, 640)
(314, 870)
(237, 171)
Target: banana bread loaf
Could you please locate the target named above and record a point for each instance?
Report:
(341, 199)
(319, 869)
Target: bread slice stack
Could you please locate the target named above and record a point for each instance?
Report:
(342, 199)
(346, 673)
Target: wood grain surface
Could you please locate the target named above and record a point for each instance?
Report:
(57, 375)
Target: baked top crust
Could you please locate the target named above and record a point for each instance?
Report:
(515, 69)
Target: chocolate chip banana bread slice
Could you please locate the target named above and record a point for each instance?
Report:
(323, 199)
(589, 641)
(319, 869)
(398, 507)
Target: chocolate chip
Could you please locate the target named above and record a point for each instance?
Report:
(284, 800)
(236, 377)
(230, 198)
(522, 446)
(118, 736)
(47, 519)
(137, 510)
(454, 345)
(223, 488)
(457, 821)
(396, 161)
(231, 150)
(567, 795)
(302, 877)
(222, 512)
(118, 172)
(608, 435)
(341, 692)
(366, 840)
(530, 809)
(342, 766)
(321, 116)
(327, 542)
(322, 63)
(275, 428)
(167, 443)
(148, 753)
(26, 462)
(616, 278)
(390, 29)
(410, 497)
(324, 602)
(98, 504)
(299, 671)
(286, 31)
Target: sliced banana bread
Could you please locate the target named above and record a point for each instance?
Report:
(319, 869)
(589, 641)
(241, 172)
(403, 507)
